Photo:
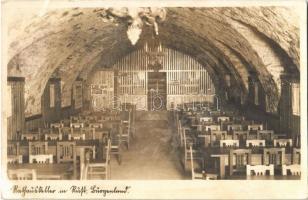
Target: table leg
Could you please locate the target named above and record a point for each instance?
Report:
(222, 167)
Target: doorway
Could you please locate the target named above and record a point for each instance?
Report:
(157, 91)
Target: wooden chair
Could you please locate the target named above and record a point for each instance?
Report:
(102, 168)
(267, 135)
(44, 131)
(259, 170)
(13, 153)
(57, 125)
(77, 125)
(296, 156)
(30, 136)
(66, 151)
(294, 170)
(53, 136)
(238, 159)
(204, 140)
(53, 133)
(205, 119)
(255, 127)
(74, 119)
(126, 129)
(228, 143)
(194, 175)
(91, 119)
(89, 133)
(255, 143)
(215, 113)
(179, 129)
(22, 174)
(38, 152)
(82, 164)
(116, 142)
(95, 125)
(282, 142)
(234, 127)
(238, 119)
(275, 156)
(77, 136)
(223, 119)
(133, 121)
(189, 137)
(65, 122)
(212, 128)
(77, 133)
(188, 150)
(216, 136)
(13, 148)
(240, 135)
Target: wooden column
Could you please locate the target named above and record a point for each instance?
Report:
(16, 118)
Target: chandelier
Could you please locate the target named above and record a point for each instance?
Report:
(137, 17)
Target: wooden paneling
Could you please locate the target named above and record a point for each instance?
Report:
(51, 111)
(102, 90)
(186, 78)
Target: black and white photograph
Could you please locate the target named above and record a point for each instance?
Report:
(145, 92)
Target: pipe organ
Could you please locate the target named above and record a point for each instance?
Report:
(187, 81)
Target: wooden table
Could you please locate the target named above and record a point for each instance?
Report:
(48, 171)
(52, 146)
(265, 177)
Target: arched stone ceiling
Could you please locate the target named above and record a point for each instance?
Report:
(71, 42)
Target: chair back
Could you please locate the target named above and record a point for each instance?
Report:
(66, 151)
(239, 158)
(240, 135)
(275, 156)
(206, 119)
(13, 148)
(229, 143)
(234, 127)
(56, 125)
(282, 142)
(212, 128)
(223, 119)
(96, 125)
(259, 170)
(74, 119)
(294, 169)
(255, 143)
(77, 125)
(267, 135)
(89, 133)
(65, 130)
(38, 147)
(255, 127)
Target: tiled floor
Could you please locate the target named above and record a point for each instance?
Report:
(153, 153)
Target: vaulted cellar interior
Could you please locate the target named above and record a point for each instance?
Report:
(154, 93)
